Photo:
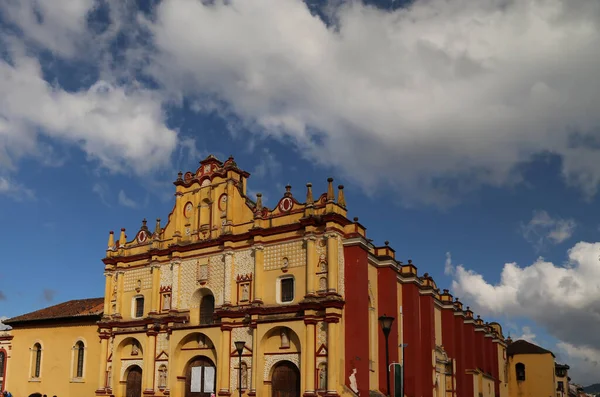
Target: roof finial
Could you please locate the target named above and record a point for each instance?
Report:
(179, 176)
(288, 190)
(111, 240)
(122, 238)
(341, 198)
(309, 194)
(330, 196)
(259, 205)
(144, 222)
(157, 227)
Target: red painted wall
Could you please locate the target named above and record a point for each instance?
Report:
(387, 303)
(470, 361)
(356, 312)
(461, 376)
(448, 333)
(412, 337)
(427, 344)
(496, 369)
(480, 350)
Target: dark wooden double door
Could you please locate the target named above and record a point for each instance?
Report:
(203, 368)
(285, 381)
(134, 382)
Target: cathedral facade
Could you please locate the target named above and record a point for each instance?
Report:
(230, 297)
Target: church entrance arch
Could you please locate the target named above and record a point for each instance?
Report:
(200, 377)
(285, 381)
(134, 382)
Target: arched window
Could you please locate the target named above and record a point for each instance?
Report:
(520, 368)
(80, 352)
(207, 308)
(37, 357)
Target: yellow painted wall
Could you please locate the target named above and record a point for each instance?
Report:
(539, 376)
(58, 363)
(373, 330)
(502, 370)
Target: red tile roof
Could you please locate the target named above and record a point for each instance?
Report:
(92, 307)
(524, 347)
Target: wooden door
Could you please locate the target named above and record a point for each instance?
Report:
(286, 380)
(206, 369)
(134, 382)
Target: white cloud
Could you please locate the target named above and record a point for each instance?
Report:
(464, 90)
(564, 300)
(543, 228)
(3, 326)
(527, 335)
(15, 190)
(59, 25)
(126, 201)
(122, 128)
(448, 266)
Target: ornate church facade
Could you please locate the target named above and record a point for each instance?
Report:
(230, 296)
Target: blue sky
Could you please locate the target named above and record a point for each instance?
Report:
(465, 132)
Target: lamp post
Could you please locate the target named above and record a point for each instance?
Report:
(386, 327)
(239, 346)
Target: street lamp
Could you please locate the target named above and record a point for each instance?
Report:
(239, 346)
(386, 327)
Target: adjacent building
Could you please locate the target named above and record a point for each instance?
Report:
(230, 295)
(533, 372)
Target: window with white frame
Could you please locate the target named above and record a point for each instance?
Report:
(286, 289)
(36, 358)
(137, 309)
(78, 359)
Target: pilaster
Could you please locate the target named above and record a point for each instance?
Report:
(259, 265)
(228, 276)
(225, 361)
(120, 280)
(311, 264)
(332, 263)
(103, 357)
(155, 270)
(149, 356)
(309, 362)
(107, 292)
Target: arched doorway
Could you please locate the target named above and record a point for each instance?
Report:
(200, 377)
(285, 381)
(134, 382)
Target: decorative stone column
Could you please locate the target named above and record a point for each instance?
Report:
(332, 356)
(332, 263)
(107, 293)
(149, 356)
(228, 271)
(120, 283)
(103, 357)
(155, 270)
(175, 264)
(224, 361)
(311, 264)
(309, 352)
(254, 379)
(259, 265)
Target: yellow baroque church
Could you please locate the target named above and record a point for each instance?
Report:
(230, 297)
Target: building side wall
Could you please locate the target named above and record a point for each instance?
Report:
(539, 376)
(58, 360)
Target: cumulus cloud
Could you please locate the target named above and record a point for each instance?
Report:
(434, 99)
(563, 299)
(3, 326)
(122, 128)
(527, 334)
(542, 228)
